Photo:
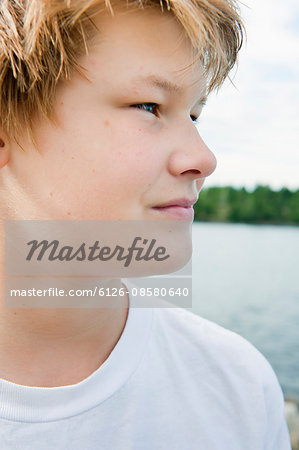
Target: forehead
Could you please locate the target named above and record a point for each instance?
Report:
(144, 48)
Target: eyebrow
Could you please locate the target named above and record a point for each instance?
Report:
(168, 86)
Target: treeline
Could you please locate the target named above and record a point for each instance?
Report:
(261, 206)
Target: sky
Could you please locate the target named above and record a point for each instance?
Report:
(253, 128)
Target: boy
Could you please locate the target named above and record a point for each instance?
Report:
(97, 109)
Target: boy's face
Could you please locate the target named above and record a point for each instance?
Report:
(108, 159)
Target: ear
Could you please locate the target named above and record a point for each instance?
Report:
(4, 151)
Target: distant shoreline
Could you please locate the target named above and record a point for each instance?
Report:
(274, 224)
(262, 206)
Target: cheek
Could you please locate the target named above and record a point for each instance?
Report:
(104, 168)
(134, 153)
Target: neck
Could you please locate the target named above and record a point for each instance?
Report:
(50, 347)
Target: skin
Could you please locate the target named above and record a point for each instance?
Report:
(110, 157)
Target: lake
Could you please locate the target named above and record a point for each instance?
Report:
(246, 278)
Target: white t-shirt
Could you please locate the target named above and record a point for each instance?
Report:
(174, 381)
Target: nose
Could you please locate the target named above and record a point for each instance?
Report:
(190, 156)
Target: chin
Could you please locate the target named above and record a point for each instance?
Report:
(175, 237)
(181, 253)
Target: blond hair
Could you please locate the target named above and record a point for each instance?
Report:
(41, 40)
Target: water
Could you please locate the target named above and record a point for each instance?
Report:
(246, 278)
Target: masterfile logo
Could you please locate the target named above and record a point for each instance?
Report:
(81, 263)
(97, 248)
(54, 250)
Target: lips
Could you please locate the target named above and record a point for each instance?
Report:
(181, 202)
(180, 208)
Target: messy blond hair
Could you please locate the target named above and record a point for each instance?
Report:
(41, 40)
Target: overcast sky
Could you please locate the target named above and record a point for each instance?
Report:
(253, 129)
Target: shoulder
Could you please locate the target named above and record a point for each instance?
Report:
(221, 376)
(214, 347)
(201, 332)
(228, 362)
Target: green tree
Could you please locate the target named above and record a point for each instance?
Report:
(263, 205)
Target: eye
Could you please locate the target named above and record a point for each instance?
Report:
(152, 108)
(194, 119)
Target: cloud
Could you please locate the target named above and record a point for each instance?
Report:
(254, 128)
